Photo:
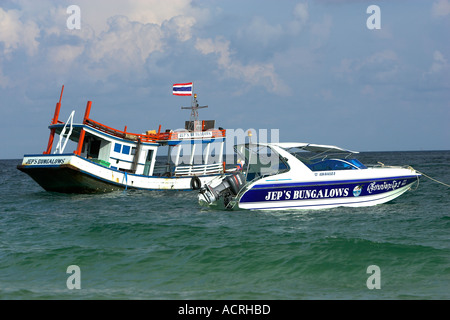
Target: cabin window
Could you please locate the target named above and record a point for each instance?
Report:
(336, 164)
(122, 148)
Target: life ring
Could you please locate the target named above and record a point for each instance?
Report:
(196, 183)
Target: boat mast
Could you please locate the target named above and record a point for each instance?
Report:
(193, 120)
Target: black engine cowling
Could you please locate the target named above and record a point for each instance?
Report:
(235, 182)
(230, 186)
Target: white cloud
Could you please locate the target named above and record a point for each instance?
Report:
(321, 30)
(96, 13)
(301, 12)
(133, 40)
(262, 74)
(301, 16)
(126, 33)
(115, 36)
(119, 37)
(381, 57)
(326, 94)
(439, 64)
(261, 32)
(181, 27)
(19, 28)
(64, 55)
(4, 81)
(380, 66)
(440, 8)
(16, 34)
(368, 90)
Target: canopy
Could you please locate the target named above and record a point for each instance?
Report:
(308, 147)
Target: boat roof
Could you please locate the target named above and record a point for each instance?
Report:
(308, 147)
(169, 137)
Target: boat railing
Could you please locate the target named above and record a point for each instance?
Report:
(176, 135)
(151, 137)
(65, 135)
(201, 169)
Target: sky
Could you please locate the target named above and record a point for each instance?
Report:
(316, 71)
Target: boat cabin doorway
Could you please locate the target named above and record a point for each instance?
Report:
(148, 162)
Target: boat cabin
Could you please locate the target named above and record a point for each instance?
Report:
(270, 159)
(195, 150)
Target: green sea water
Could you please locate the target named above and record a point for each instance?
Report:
(163, 245)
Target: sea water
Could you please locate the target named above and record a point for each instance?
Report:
(163, 245)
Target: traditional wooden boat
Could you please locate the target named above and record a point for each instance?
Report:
(108, 159)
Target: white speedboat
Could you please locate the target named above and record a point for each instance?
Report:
(108, 159)
(279, 176)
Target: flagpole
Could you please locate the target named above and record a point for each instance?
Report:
(194, 108)
(192, 95)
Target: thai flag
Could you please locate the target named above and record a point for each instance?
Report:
(183, 89)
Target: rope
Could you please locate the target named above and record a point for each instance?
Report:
(435, 180)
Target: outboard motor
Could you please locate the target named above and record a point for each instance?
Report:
(228, 188)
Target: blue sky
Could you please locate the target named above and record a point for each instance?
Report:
(311, 69)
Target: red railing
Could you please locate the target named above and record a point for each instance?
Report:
(152, 137)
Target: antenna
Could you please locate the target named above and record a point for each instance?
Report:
(194, 113)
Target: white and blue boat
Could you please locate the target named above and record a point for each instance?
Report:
(277, 176)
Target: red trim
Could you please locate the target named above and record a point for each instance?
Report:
(54, 121)
(82, 133)
(121, 134)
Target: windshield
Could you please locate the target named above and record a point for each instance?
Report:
(258, 161)
(327, 161)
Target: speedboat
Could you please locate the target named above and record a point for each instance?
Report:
(107, 159)
(277, 176)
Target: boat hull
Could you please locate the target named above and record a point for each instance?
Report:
(357, 193)
(68, 179)
(69, 173)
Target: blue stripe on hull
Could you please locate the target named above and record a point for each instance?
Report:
(321, 204)
(315, 183)
(299, 192)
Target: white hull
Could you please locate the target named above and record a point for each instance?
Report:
(72, 173)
